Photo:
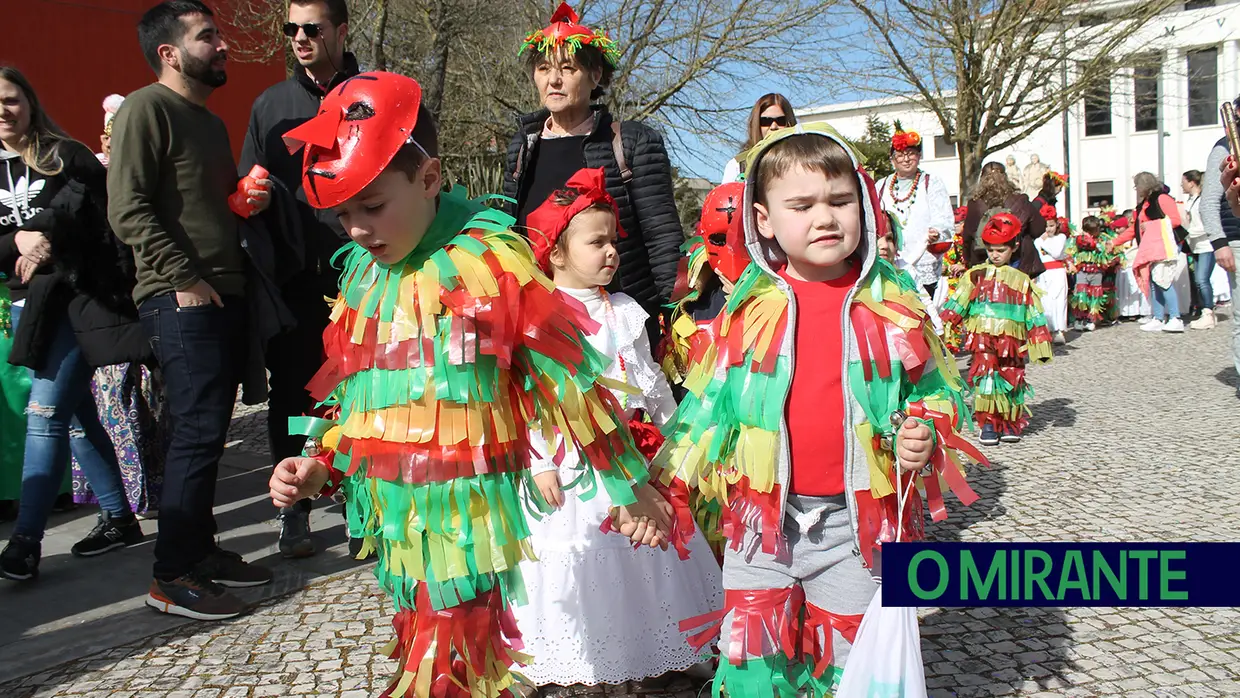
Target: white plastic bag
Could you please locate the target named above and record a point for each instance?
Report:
(885, 661)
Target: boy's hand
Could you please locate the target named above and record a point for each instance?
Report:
(648, 521)
(549, 487)
(295, 479)
(914, 444)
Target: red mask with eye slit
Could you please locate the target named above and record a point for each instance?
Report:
(360, 126)
(722, 227)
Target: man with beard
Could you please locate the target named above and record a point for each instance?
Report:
(316, 30)
(168, 185)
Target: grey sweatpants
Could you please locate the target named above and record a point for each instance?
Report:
(818, 557)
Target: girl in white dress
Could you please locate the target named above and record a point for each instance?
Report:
(1053, 283)
(600, 611)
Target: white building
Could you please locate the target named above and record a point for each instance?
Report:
(1114, 137)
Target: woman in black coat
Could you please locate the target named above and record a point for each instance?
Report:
(71, 312)
(994, 192)
(570, 133)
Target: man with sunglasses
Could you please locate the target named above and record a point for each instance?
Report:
(316, 30)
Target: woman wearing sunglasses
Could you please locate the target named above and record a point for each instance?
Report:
(770, 113)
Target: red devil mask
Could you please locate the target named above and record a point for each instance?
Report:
(1001, 229)
(360, 126)
(549, 221)
(722, 227)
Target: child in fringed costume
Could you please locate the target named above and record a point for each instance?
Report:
(447, 348)
(889, 244)
(1093, 297)
(802, 458)
(1053, 283)
(998, 307)
(599, 612)
(954, 256)
(716, 259)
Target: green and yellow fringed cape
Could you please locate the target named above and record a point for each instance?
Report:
(724, 442)
(1004, 326)
(437, 369)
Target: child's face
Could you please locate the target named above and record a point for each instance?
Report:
(887, 248)
(999, 255)
(815, 220)
(588, 257)
(391, 215)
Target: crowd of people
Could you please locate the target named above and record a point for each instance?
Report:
(510, 400)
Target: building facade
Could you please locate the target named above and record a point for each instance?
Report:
(1113, 135)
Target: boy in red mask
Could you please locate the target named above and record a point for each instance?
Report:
(446, 347)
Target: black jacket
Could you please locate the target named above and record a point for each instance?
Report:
(278, 110)
(650, 252)
(1032, 225)
(91, 278)
(267, 313)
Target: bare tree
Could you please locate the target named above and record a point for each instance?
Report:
(254, 29)
(993, 71)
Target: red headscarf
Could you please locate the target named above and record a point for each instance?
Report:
(549, 221)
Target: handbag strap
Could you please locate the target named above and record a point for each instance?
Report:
(617, 146)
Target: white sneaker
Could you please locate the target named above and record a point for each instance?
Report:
(1207, 321)
(1175, 324)
(1090, 327)
(1153, 326)
(1059, 338)
(1145, 321)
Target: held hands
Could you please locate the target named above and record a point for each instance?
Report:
(197, 295)
(646, 522)
(295, 479)
(548, 484)
(33, 245)
(914, 444)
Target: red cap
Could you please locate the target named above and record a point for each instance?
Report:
(360, 126)
(1001, 229)
(549, 221)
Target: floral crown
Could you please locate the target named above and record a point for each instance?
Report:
(565, 32)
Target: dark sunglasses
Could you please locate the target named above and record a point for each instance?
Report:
(311, 30)
(781, 121)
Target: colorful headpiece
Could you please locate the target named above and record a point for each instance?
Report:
(549, 221)
(723, 230)
(1063, 225)
(904, 140)
(360, 126)
(961, 213)
(1058, 178)
(1001, 229)
(565, 32)
(111, 104)
(1048, 212)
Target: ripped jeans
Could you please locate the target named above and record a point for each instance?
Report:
(62, 418)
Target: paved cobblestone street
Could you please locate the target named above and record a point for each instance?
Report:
(1134, 437)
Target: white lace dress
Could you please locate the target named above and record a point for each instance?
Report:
(599, 611)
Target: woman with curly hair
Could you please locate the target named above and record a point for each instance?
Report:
(995, 193)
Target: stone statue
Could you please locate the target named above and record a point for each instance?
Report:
(1032, 176)
(1013, 171)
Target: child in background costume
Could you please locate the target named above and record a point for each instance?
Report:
(699, 297)
(1093, 297)
(1053, 283)
(998, 307)
(800, 458)
(599, 612)
(888, 247)
(447, 348)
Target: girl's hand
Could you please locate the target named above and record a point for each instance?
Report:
(646, 522)
(295, 479)
(33, 244)
(549, 487)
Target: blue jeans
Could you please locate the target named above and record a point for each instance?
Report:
(201, 352)
(1203, 267)
(1164, 303)
(61, 418)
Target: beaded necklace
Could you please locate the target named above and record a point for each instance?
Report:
(905, 204)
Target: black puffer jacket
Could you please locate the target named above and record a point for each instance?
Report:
(650, 252)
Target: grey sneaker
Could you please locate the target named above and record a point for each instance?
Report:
(295, 540)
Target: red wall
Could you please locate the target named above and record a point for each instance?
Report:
(76, 52)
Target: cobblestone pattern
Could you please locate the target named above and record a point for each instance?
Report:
(1133, 437)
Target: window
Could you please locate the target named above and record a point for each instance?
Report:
(943, 149)
(955, 201)
(1098, 110)
(1203, 87)
(1145, 95)
(1198, 4)
(1099, 194)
